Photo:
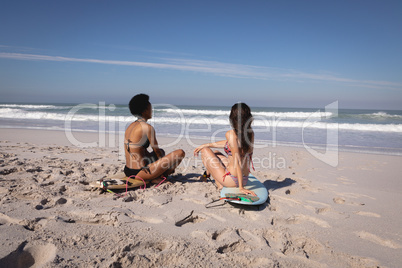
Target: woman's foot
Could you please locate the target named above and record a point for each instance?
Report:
(218, 185)
(158, 180)
(168, 172)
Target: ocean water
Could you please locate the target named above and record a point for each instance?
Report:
(376, 131)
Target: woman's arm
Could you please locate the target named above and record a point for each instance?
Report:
(152, 140)
(218, 144)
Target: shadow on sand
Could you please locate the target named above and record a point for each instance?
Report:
(275, 185)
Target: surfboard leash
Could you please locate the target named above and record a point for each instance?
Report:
(104, 187)
(226, 199)
(233, 197)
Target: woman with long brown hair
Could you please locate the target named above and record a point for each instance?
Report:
(233, 170)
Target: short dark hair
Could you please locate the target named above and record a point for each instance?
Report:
(138, 104)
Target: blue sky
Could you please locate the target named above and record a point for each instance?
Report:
(266, 53)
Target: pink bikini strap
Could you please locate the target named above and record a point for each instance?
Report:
(224, 176)
(251, 161)
(164, 178)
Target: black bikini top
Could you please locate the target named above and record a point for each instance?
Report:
(145, 145)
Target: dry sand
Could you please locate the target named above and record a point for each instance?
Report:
(316, 215)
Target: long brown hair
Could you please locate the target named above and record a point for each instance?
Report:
(241, 118)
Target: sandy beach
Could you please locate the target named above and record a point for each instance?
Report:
(316, 215)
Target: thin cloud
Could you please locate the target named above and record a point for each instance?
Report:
(19, 48)
(153, 51)
(216, 68)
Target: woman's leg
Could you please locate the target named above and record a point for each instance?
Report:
(151, 156)
(159, 167)
(216, 168)
(223, 159)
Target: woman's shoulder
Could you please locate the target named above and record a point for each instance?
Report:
(230, 133)
(141, 123)
(231, 137)
(136, 126)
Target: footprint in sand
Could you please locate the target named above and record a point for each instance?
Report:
(146, 219)
(3, 191)
(194, 200)
(4, 219)
(345, 181)
(253, 240)
(31, 256)
(231, 240)
(220, 235)
(322, 210)
(238, 246)
(30, 225)
(155, 246)
(216, 217)
(90, 217)
(281, 200)
(338, 200)
(378, 240)
(158, 201)
(300, 218)
(314, 220)
(343, 196)
(368, 214)
(248, 213)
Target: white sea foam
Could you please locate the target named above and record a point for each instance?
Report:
(270, 124)
(190, 118)
(296, 115)
(384, 115)
(33, 106)
(193, 112)
(8, 113)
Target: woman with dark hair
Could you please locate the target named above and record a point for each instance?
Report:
(233, 170)
(138, 137)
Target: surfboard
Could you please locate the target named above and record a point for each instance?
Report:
(117, 182)
(254, 185)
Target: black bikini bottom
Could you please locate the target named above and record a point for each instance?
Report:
(150, 158)
(130, 171)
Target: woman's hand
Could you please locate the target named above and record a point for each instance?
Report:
(245, 191)
(199, 148)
